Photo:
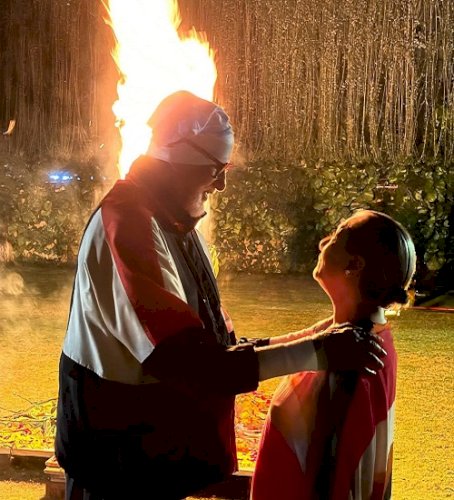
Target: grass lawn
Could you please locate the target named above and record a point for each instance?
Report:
(32, 327)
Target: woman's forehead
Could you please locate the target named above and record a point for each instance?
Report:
(355, 220)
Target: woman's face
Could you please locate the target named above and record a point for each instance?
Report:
(332, 262)
(336, 270)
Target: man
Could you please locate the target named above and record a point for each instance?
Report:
(149, 370)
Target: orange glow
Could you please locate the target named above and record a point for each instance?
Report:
(154, 62)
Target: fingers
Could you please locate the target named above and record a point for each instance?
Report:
(376, 361)
(377, 349)
(373, 351)
(372, 366)
(341, 326)
(376, 337)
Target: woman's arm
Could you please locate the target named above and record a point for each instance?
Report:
(320, 326)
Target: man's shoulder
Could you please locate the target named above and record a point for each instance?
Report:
(126, 200)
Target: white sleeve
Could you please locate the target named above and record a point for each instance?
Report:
(286, 358)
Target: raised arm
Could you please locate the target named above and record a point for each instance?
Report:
(320, 326)
(339, 347)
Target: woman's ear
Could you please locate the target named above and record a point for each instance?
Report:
(355, 265)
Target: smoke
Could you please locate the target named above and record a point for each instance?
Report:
(34, 303)
(6, 252)
(11, 283)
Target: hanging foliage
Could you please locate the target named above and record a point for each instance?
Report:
(367, 79)
(370, 79)
(53, 59)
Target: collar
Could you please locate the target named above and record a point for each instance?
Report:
(379, 328)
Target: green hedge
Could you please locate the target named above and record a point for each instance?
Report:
(271, 217)
(424, 202)
(257, 219)
(44, 221)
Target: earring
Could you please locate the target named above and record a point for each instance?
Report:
(347, 272)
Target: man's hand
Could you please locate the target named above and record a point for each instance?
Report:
(346, 347)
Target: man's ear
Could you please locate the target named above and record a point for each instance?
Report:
(355, 265)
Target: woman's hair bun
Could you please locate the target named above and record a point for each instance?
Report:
(397, 295)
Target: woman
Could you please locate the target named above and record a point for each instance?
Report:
(329, 435)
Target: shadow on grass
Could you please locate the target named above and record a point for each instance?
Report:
(23, 469)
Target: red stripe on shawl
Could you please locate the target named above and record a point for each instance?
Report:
(127, 224)
(370, 405)
(277, 474)
(311, 389)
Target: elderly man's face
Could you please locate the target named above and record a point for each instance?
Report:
(194, 183)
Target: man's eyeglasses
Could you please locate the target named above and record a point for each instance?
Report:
(221, 167)
(225, 167)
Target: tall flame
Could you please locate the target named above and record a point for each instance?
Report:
(154, 62)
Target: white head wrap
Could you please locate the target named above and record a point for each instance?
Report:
(191, 131)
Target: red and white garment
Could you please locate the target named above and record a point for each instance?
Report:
(321, 441)
(128, 295)
(149, 370)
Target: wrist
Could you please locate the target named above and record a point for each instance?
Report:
(256, 342)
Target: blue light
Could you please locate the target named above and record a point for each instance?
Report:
(60, 177)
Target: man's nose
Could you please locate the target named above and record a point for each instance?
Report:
(220, 181)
